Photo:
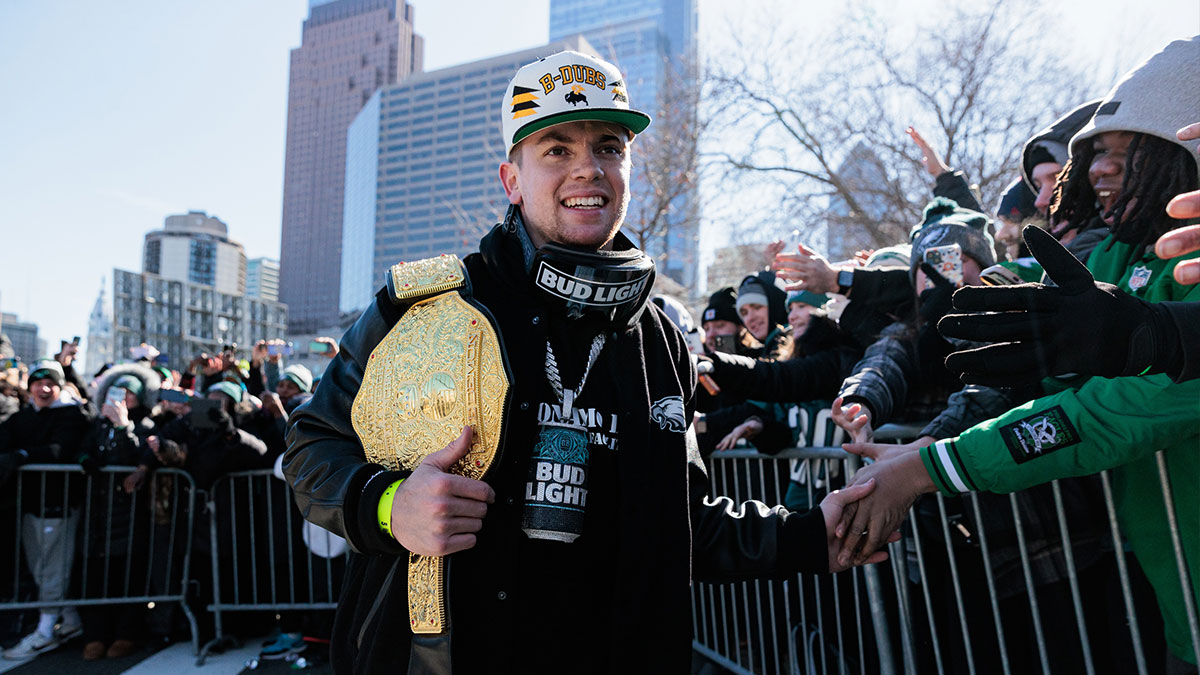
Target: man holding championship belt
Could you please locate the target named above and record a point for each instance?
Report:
(506, 442)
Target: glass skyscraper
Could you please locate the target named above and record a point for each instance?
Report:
(649, 40)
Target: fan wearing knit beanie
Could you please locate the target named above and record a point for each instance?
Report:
(720, 319)
(947, 223)
(802, 307)
(762, 304)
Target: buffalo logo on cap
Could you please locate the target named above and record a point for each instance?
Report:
(576, 96)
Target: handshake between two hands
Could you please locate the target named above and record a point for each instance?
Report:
(862, 518)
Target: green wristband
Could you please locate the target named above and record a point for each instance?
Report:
(384, 511)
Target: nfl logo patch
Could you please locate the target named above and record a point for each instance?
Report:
(1139, 278)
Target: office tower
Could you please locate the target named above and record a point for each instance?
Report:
(23, 335)
(862, 173)
(99, 334)
(196, 248)
(653, 42)
(419, 182)
(262, 278)
(733, 263)
(183, 319)
(349, 48)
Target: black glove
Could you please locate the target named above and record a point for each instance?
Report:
(1081, 326)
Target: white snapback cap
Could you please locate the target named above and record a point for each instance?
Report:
(566, 87)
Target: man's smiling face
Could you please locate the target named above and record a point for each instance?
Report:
(571, 181)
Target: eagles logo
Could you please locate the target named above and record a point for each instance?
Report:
(668, 412)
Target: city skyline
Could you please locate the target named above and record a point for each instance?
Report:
(110, 134)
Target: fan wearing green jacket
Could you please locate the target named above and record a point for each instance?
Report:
(1125, 166)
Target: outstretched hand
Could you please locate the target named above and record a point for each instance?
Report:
(930, 159)
(1185, 239)
(808, 270)
(872, 522)
(1043, 330)
(882, 452)
(752, 427)
(773, 249)
(855, 419)
(832, 508)
(436, 512)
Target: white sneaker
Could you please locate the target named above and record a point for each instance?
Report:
(66, 630)
(31, 645)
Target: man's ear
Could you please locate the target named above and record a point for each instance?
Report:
(508, 177)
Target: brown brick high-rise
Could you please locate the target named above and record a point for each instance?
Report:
(349, 48)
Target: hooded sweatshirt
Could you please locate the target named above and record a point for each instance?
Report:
(1051, 143)
(1113, 423)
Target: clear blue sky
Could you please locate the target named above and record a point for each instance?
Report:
(115, 115)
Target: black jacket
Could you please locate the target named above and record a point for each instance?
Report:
(523, 605)
(822, 358)
(52, 435)
(110, 513)
(878, 298)
(212, 453)
(953, 185)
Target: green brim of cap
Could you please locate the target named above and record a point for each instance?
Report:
(636, 122)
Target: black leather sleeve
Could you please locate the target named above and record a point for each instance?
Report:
(798, 379)
(335, 487)
(953, 185)
(732, 541)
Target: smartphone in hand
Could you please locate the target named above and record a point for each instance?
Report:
(725, 343)
(173, 396)
(999, 275)
(201, 417)
(947, 260)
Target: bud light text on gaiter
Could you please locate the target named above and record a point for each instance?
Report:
(556, 484)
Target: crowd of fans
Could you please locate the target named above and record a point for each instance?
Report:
(86, 534)
(813, 353)
(804, 353)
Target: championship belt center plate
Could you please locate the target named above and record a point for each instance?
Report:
(438, 370)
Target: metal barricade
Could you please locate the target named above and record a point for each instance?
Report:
(980, 584)
(264, 556)
(82, 541)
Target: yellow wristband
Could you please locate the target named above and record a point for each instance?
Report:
(384, 512)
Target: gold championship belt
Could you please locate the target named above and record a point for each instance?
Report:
(438, 370)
